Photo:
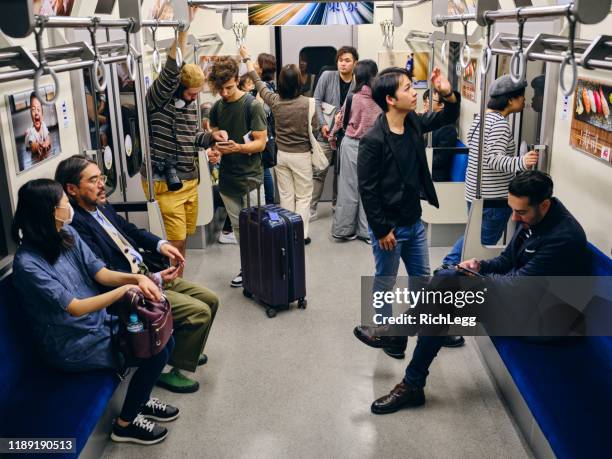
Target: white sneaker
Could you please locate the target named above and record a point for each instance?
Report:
(313, 215)
(227, 238)
(237, 281)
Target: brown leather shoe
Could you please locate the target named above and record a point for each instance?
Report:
(366, 336)
(402, 395)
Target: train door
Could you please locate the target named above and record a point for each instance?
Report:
(314, 48)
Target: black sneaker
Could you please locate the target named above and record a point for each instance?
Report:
(162, 412)
(140, 430)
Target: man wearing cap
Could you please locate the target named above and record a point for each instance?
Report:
(176, 137)
(500, 162)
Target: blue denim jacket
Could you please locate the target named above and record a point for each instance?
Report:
(68, 342)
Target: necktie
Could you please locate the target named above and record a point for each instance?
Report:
(122, 243)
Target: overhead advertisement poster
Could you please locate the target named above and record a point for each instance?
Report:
(468, 85)
(591, 130)
(331, 13)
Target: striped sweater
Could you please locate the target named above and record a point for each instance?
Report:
(499, 161)
(175, 132)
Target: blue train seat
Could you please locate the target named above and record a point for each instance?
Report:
(39, 401)
(459, 164)
(567, 383)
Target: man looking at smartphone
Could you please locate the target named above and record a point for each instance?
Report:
(244, 119)
(119, 244)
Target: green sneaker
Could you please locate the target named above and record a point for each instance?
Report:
(175, 381)
(202, 360)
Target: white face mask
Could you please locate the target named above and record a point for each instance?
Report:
(68, 221)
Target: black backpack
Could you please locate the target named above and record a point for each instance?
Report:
(268, 156)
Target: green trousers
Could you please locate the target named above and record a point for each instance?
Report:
(193, 311)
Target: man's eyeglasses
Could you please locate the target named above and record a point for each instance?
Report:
(98, 178)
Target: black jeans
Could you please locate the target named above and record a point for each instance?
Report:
(139, 390)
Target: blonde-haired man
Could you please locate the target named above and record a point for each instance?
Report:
(176, 137)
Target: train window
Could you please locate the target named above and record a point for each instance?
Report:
(105, 7)
(6, 215)
(313, 61)
(129, 118)
(102, 138)
(529, 121)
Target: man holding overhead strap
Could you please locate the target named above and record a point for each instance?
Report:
(176, 137)
(393, 175)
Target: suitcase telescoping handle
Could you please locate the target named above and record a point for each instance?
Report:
(257, 186)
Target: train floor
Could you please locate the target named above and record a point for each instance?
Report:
(300, 385)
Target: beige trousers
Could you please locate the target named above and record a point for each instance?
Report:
(295, 185)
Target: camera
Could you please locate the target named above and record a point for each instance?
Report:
(172, 179)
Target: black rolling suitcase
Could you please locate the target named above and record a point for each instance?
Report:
(272, 256)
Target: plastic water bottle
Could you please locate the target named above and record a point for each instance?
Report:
(135, 325)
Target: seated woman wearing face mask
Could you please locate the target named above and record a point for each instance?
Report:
(57, 275)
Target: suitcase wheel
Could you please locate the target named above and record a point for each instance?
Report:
(246, 293)
(271, 312)
(302, 303)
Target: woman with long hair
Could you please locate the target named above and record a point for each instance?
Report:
(58, 276)
(294, 164)
(349, 219)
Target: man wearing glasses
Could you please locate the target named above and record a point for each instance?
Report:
(118, 243)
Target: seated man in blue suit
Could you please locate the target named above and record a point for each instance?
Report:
(117, 242)
(548, 241)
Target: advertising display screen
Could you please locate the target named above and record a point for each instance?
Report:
(333, 13)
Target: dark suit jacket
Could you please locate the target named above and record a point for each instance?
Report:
(381, 170)
(557, 247)
(98, 240)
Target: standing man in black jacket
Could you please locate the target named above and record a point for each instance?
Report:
(393, 175)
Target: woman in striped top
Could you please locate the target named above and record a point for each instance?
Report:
(499, 161)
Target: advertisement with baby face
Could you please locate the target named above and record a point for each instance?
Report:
(35, 128)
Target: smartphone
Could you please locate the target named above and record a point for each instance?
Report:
(468, 271)
(222, 144)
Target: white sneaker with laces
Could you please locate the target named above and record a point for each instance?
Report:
(237, 281)
(227, 238)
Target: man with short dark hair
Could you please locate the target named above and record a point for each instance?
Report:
(329, 95)
(243, 118)
(118, 243)
(548, 241)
